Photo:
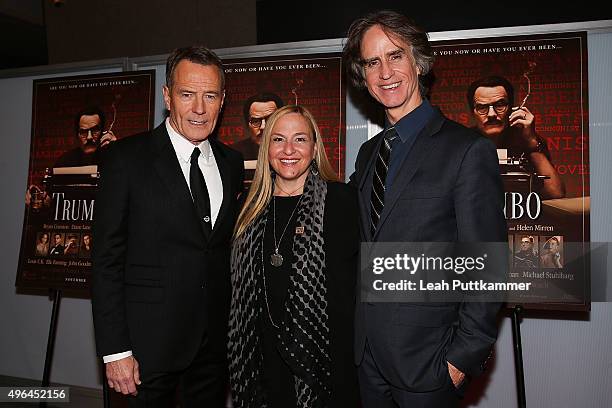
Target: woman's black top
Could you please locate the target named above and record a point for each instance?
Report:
(341, 245)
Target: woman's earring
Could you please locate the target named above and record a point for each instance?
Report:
(313, 168)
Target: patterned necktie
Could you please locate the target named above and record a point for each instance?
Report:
(377, 201)
(199, 192)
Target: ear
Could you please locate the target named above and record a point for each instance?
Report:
(166, 93)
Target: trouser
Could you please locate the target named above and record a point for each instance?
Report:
(376, 392)
(204, 383)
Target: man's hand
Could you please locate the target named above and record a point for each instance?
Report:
(107, 137)
(69, 245)
(41, 197)
(524, 119)
(456, 376)
(123, 375)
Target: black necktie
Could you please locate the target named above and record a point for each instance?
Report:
(377, 201)
(199, 192)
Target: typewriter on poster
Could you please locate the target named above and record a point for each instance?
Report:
(517, 173)
(81, 176)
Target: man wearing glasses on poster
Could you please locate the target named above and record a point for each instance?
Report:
(89, 128)
(510, 127)
(256, 110)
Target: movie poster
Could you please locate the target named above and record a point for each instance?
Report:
(74, 119)
(542, 140)
(256, 87)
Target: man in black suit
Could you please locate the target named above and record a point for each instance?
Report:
(58, 246)
(165, 214)
(423, 179)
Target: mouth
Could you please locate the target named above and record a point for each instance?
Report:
(197, 122)
(391, 87)
(289, 162)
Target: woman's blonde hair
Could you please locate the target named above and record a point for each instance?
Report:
(262, 187)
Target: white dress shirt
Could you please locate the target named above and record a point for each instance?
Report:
(208, 165)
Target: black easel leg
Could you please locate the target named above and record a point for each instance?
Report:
(518, 356)
(57, 296)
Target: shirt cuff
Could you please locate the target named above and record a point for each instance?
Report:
(117, 356)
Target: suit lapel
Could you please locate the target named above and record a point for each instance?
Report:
(422, 146)
(226, 179)
(167, 167)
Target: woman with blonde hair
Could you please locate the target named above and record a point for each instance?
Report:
(294, 266)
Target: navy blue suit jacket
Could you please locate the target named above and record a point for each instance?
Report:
(448, 189)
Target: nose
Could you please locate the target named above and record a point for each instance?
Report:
(288, 147)
(386, 71)
(89, 135)
(263, 124)
(491, 112)
(199, 106)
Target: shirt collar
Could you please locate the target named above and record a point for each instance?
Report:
(411, 124)
(184, 147)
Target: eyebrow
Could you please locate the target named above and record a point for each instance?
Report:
(190, 90)
(389, 54)
(502, 99)
(292, 135)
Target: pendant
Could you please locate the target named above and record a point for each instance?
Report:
(276, 259)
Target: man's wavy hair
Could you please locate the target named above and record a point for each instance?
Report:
(399, 28)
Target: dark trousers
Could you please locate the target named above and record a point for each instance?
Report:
(203, 384)
(376, 392)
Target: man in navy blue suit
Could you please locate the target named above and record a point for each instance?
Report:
(423, 179)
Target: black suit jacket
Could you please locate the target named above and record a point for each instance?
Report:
(448, 189)
(160, 283)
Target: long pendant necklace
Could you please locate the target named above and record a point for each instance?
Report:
(276, 259)
(265, 289)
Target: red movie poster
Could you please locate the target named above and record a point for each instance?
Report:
(256, 87)
(74, 119)
(541, 133)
